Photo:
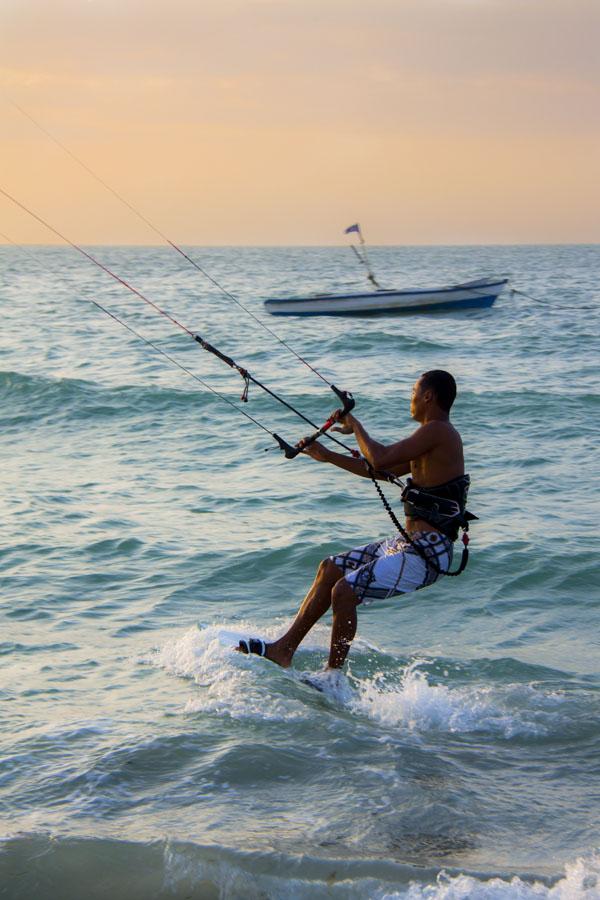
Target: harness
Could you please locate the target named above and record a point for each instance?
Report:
(443, 507)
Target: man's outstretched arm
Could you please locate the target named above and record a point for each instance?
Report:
(395, 456)
(348, 463)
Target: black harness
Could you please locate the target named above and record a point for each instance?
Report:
(443, 507)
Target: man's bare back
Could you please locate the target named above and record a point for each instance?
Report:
(442, 463)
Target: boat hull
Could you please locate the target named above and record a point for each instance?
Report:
(472, 295)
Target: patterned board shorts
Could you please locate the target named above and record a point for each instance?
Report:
(380, 570)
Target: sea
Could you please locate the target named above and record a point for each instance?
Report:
(146, 524)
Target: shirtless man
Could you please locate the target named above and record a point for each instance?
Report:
(433, 455)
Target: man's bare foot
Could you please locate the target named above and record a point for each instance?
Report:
(280, 653)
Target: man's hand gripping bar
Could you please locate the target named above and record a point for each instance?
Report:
(348, 404)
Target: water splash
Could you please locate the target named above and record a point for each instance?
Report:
(230, 683)
(418, 705)
(581, 882)
(402, 697)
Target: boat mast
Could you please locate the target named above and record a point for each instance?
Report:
(362, 253)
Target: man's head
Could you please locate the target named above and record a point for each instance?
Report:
(433, 392)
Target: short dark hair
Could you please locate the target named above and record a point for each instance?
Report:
(443, 386)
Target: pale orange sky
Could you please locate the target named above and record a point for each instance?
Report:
(283, 121)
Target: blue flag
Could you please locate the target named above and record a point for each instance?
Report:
(353, 228)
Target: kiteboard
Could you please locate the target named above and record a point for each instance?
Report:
(333, 684)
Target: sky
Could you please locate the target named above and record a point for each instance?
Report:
(280, 122)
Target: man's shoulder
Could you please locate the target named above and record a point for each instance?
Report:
(438, 426)
(441, 431)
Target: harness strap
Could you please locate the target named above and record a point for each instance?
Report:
(418, 549)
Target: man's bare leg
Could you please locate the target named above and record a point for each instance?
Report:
(344, 623)
(315, 604)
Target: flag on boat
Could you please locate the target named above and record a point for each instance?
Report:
(351, 228)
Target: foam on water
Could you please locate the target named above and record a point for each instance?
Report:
(332, 683)
(36, 865)
(229, 683)
(248, 687)
(415, 704)
(581, 881)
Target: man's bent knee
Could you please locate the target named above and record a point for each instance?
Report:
(343, 596)
(328, 569)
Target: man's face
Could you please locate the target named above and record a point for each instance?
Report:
(418, 401)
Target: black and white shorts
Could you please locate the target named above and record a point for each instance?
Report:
(392, 566)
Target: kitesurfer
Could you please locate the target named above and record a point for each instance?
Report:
(434, 506)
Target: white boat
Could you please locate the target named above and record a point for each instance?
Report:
(468, 295)
(385, 301)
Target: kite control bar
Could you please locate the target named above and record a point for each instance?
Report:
(348, 404)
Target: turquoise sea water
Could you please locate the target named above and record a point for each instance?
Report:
(139, 756)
